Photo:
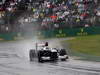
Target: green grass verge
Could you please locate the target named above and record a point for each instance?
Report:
(86, 44)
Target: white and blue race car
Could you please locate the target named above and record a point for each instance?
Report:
(45, 53)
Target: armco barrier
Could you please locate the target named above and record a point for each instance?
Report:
(7, 36)
(55, 33)
(70, 32)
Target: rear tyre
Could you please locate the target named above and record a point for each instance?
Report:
(31, 54)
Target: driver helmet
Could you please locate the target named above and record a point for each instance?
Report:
(46, 48)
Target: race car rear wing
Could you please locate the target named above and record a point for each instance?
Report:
(41, 45)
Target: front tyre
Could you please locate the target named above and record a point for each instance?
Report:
(39, 57)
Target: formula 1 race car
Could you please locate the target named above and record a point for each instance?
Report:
(45, 53)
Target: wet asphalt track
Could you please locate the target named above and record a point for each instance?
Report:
(14, 61)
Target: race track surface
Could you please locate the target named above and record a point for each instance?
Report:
(14, 60)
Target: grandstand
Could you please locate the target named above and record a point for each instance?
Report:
(52, 14)
(67, 13)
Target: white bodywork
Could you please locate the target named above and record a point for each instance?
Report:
(46, 58)
(63, 57)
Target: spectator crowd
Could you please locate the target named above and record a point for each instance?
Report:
(55, 14)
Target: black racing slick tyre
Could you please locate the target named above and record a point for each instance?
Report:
(31, 54)
(62, 52)
(39, 57)
(67, 57)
